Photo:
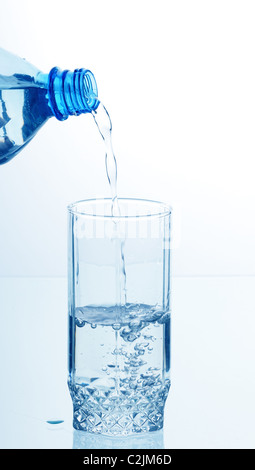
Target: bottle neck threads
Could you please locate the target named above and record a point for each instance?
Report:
(71, 93)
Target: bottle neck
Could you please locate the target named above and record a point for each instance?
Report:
(71, 93)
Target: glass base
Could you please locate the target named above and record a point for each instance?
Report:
(118, 424)
(116, 414)
(119, 412)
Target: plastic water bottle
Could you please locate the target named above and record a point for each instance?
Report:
(28, 98)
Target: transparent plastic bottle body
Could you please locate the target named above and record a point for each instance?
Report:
(28, 98)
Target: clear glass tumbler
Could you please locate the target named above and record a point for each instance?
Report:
(119, 315)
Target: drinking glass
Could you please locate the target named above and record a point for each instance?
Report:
(119, 315)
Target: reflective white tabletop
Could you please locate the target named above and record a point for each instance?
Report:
(211, 403)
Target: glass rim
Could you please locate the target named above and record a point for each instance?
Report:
(165, 211)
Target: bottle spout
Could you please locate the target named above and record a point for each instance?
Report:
(72, 93)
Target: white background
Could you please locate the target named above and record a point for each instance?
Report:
(178, 79)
